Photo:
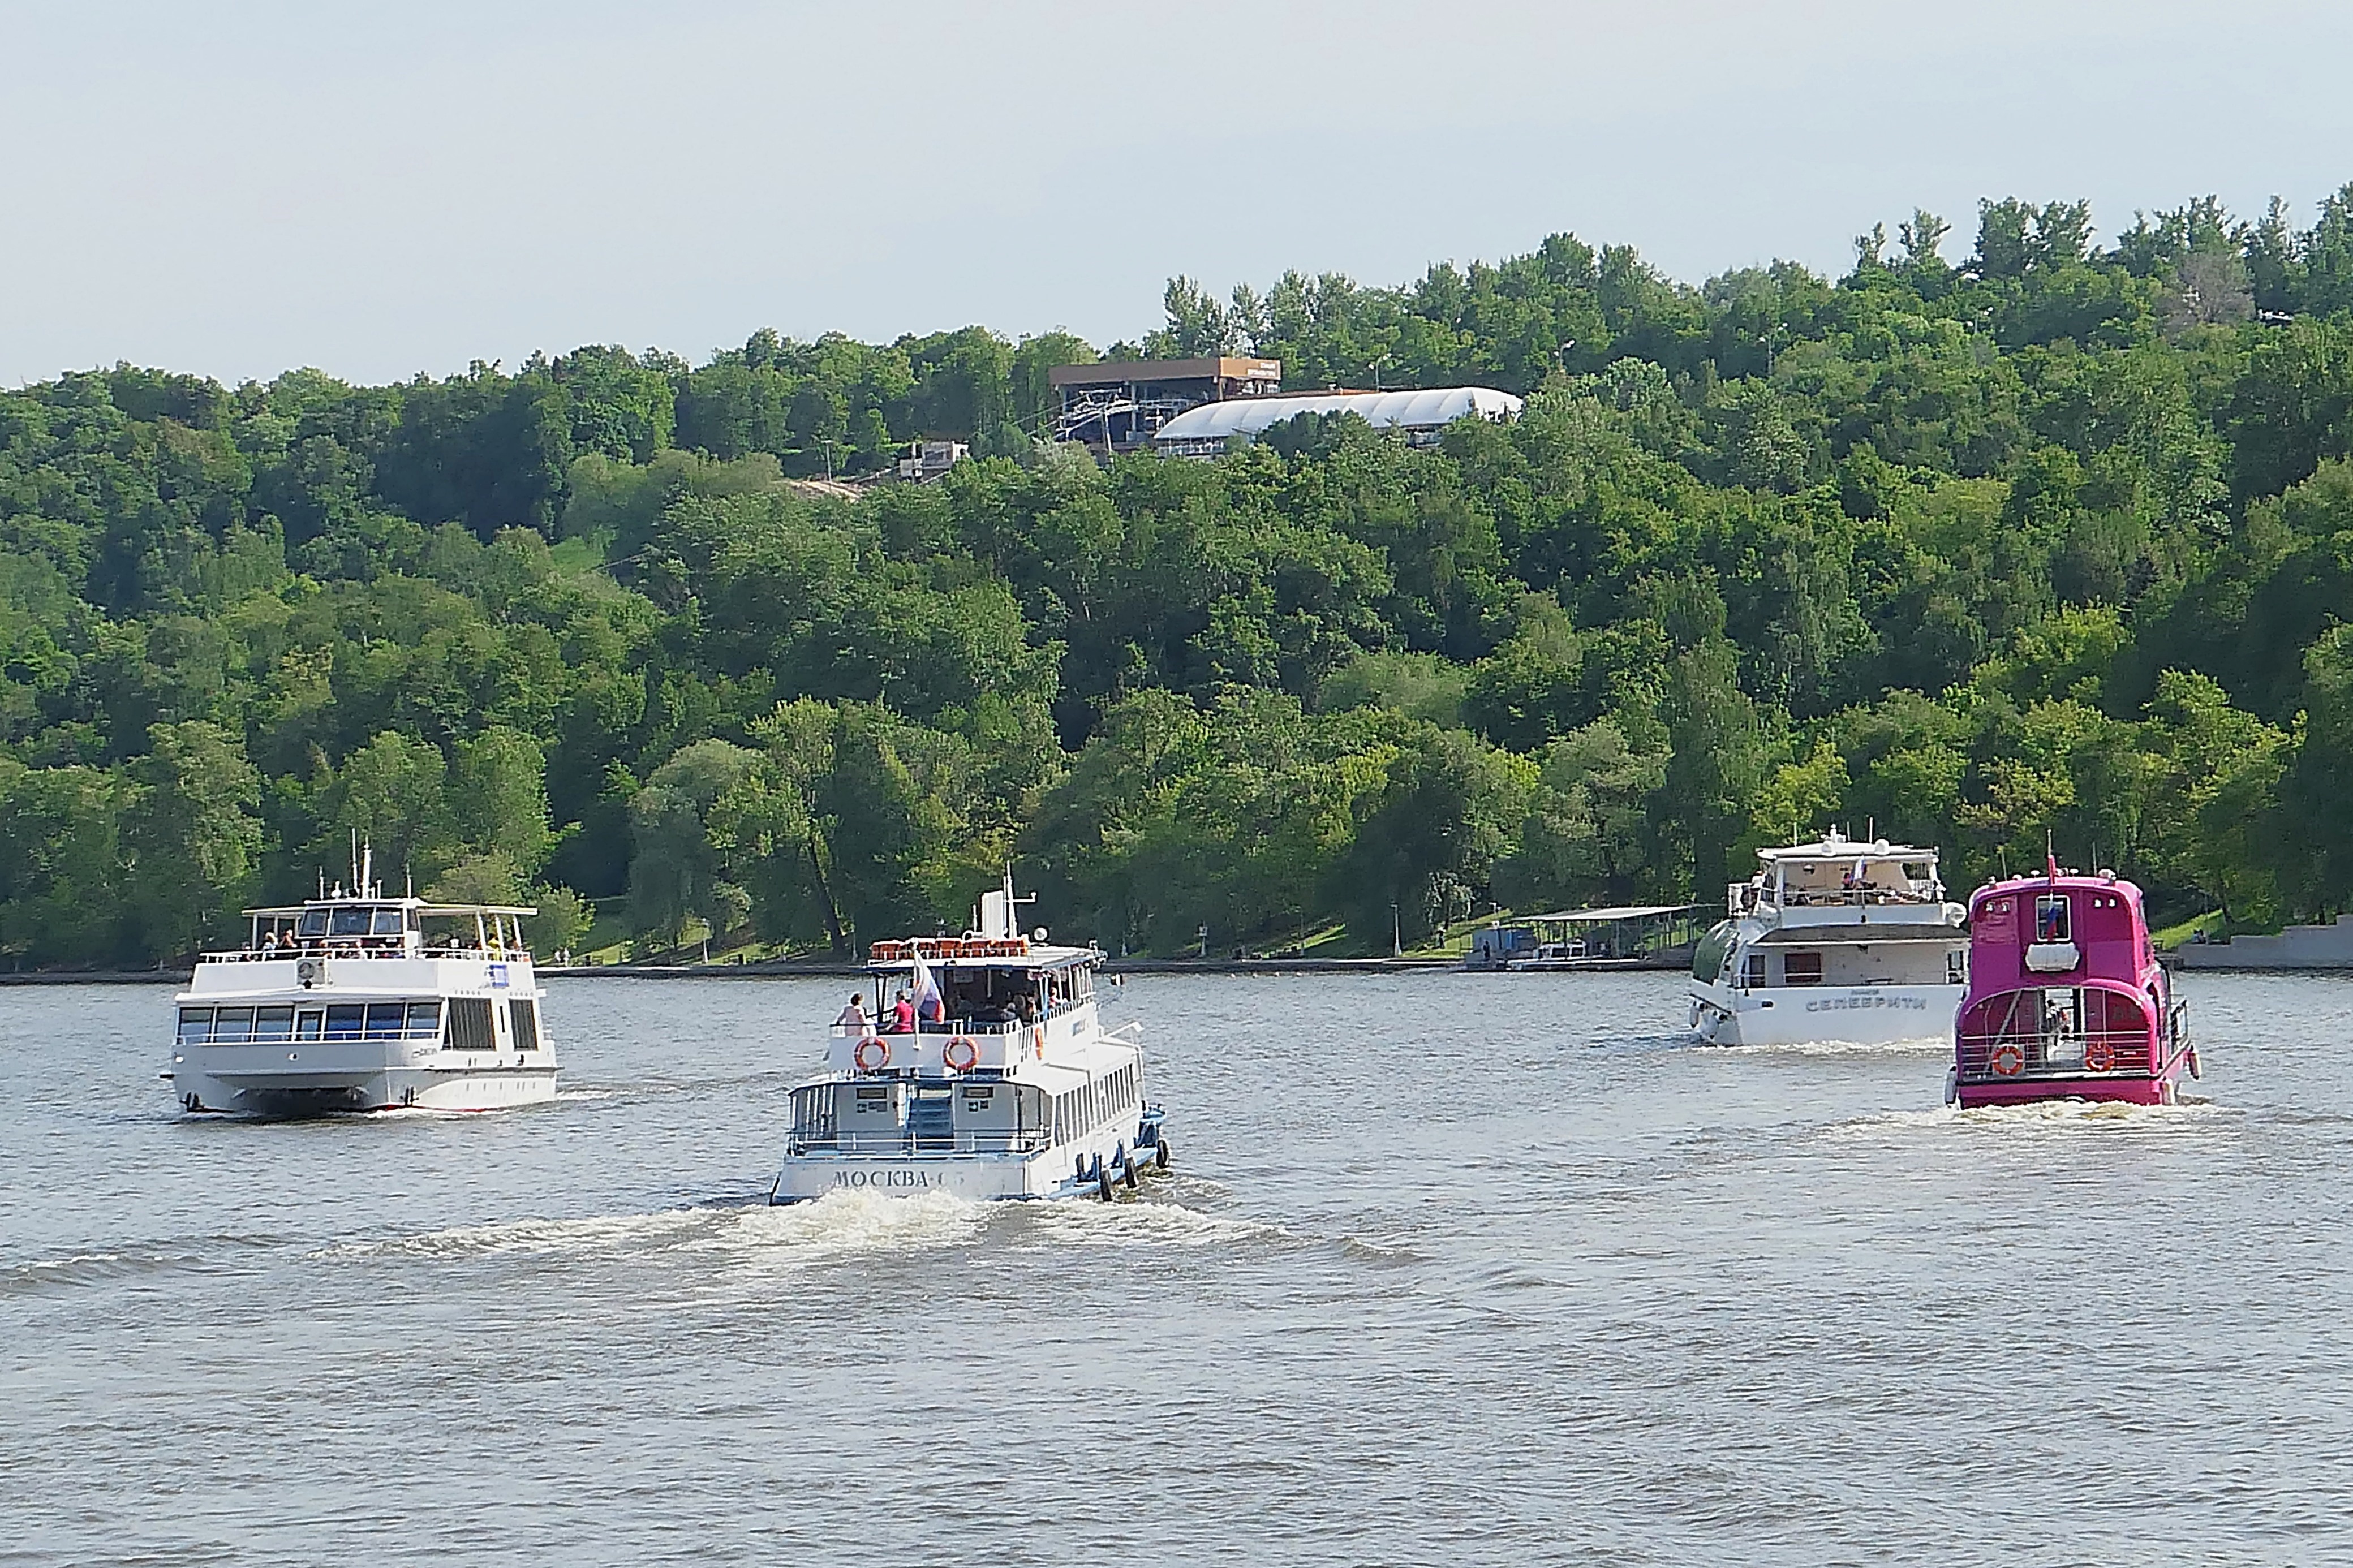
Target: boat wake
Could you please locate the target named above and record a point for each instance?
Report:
(1930, 1046)
(1149, 1221)
(2064, 1117)
(88, 1268)
(2095, 1115)
(847, 1224)
(606, 1234)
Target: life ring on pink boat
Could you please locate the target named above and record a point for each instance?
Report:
(2099, 1055)
(2007, 1061)
(960, 1055)
(872, 1054)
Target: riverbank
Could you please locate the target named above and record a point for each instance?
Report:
(815, 969)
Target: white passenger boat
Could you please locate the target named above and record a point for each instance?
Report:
(353, 1001)
(1006, 1085)
(1838, 942)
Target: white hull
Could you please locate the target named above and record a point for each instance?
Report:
(1809, 1015)
(977, 1178)
(354, 1078)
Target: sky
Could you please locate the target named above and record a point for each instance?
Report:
(381, 190)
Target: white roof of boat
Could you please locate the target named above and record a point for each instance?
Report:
(1382, 410)
(1838, 847)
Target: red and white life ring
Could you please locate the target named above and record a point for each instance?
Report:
(2099, 1055)
(960, 1055)
(2009, 1060)
(872, 1054)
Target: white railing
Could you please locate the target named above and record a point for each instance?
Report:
(909, 1144)
(348, 948)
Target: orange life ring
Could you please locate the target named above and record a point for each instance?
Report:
(2015, 1063)
(962, 1059)
(2099, 1055)
(881, 1056)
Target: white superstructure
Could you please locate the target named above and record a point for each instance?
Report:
(1005, 1085)
(1836, 940)
(353, 1001)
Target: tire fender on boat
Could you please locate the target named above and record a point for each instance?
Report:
(960, 1055)
(2195, 1069)
(1102, 1180)
(1160, 1152)
(872, 1054)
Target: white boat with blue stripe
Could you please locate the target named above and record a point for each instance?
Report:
(354, 1001)
(998, 1081)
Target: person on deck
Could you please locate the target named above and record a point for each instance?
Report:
(854, 1017)
(903, 1014)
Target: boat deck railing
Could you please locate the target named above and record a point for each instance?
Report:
(2033, 1054)
(910, 1144)
(354, 948)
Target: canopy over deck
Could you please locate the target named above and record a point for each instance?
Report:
(1613, 913)
(419, 906)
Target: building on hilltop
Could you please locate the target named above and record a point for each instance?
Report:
(1420, 416)
(927, 460)
(1116, 407)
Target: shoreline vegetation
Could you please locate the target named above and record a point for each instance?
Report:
(2053, 538)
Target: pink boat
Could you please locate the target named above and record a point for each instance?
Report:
(2067, 999)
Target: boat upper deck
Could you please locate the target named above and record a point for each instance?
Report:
(2066, 928)
(372, 926)
(1838, 879)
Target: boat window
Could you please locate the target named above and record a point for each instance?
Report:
(347, 922)
(386, 1020)
(469, 1024)
(1752, 969)
(306, 1027)
(233, 1025)
(1802, 969)
(273, 1023)
(522, 1020)
(344, 1022)
(314, 922)
(2051, 922)
(388, 923)
(195, 1026)
(424, 1020)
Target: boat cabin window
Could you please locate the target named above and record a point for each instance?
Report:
(314, 922)
(346, 1022)
(388, 923)
(272, 1023)
(469, 1024)
(1752, 969)
(233, 1025)
(306, 1025)
(1801, 969)
(2051, 921)
(195, 1026)
(522, 1020)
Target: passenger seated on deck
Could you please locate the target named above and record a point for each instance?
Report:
(854, 1017)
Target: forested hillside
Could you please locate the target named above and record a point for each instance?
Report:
(2057, 538)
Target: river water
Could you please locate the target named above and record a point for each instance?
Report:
(1456, 1269)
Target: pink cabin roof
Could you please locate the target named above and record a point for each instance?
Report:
(2070, 930)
